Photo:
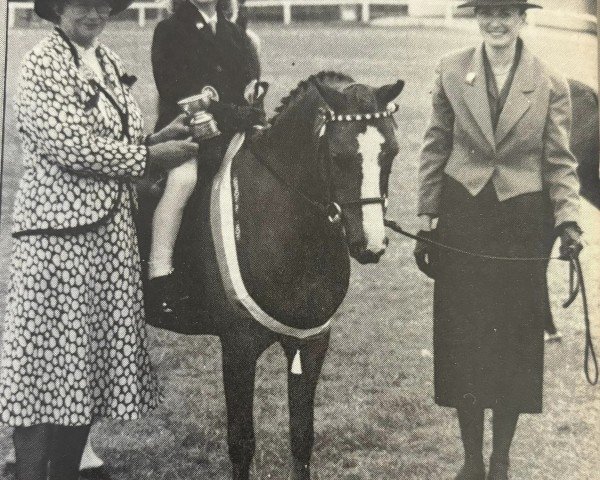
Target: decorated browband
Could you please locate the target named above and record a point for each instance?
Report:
(331, 116)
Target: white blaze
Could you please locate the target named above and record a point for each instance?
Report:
(369, 147)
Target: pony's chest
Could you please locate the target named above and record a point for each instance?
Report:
(289, 267)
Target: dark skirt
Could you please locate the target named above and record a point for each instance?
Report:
(489, 314)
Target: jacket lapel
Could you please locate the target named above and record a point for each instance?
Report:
(476, 97)
(114, 76)
(191, 20)
(517, 102)
(66, 48)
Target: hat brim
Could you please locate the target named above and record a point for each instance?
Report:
(45, 8)
(499, 3)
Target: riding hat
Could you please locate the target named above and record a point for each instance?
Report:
(46, 8)
(500, 3)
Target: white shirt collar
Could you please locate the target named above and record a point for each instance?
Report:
(210, 21)
(86, 51)
(89, 58)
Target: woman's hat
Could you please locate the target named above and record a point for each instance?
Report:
(500, 3)
(46, 8)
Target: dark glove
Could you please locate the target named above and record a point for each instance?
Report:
(570, 240)
(425, 253)
(234, 118)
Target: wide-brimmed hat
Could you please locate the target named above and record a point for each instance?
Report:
(45, 8)
(500, 3)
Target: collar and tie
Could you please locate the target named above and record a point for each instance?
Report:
(206, 21)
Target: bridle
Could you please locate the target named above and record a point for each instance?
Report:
(331, 208)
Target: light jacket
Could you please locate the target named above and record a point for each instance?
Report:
(78, 161)
(528, 151)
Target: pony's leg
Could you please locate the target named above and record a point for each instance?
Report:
(301, 396)
(239, 369)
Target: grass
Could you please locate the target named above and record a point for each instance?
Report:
(375, 417)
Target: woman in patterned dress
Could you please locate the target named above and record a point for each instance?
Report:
(74, 341)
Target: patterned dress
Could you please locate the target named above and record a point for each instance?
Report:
(74, 340)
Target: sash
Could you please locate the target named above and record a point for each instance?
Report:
(223, 205)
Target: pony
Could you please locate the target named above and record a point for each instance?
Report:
(584, 139)
(309, 192)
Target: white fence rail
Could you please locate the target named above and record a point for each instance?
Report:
(417, 8)
(286, 6)
(141, 7)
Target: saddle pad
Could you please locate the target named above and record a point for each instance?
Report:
(224, 229)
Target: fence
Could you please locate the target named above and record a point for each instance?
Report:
(445, 8)
(162, 6)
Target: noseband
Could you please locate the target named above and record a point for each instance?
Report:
(332, 209)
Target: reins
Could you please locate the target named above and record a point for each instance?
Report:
(590, 354)
(576, 288)
(392, 225)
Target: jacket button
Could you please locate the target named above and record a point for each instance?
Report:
(219, 68)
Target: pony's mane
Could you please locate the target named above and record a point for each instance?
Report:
(324, 76)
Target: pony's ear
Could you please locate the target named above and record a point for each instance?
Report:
(387, 93)
(334, 99)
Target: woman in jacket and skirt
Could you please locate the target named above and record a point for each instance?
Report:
(74, 341)
(495, 158)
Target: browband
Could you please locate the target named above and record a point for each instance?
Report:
(331, 116)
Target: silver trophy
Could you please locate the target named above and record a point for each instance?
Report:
(202, 123)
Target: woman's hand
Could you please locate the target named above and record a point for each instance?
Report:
(178, 129)
(570, 241)
(172, 153)
(425, 252)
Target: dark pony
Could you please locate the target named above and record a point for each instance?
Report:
(308, 193)
(584, 139)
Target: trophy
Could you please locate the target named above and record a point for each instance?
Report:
(202, 123)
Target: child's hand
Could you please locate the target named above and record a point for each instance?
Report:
(250, 92)
(178, 129)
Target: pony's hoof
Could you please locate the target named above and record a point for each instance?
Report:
(299, 471)
(98, 473)
(498, 470)
(240, 473)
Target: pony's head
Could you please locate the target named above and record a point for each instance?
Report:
(357, 148)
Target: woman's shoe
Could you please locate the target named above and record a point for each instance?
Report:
(471, 471)
(498, 470)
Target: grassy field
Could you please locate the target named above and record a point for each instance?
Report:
(375, 416)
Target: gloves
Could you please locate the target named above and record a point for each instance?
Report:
(425, 253)
(570, 240)
(234, 118)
